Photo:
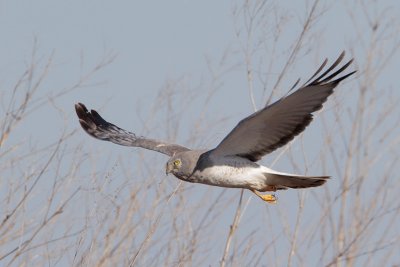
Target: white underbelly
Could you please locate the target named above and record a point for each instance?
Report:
(251, 177)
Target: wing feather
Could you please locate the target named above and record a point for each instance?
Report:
(99, 128)
(277, 124)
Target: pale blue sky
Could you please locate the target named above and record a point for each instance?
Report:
(153, 41)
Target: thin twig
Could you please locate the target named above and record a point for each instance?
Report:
(232, 229)
(153, 227)
(296, 47)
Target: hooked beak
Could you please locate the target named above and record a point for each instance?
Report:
(168, 168)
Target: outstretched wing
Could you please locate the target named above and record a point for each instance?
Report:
(99, 128)
(277, 124)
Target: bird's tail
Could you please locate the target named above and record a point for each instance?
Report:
(284, 180)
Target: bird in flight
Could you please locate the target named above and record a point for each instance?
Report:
(233, 162)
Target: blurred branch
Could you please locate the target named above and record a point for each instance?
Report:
(296, 48)
(232, 229)
(153, 227)
(19, 250)
(29, 191)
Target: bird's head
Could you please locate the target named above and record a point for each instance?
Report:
(182, 164)
(176, 166)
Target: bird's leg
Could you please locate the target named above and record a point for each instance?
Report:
(267, 198)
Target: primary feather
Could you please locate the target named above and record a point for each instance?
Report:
(277, 124)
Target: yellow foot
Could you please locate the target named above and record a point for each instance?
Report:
(267, 198)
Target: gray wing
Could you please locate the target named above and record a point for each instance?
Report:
(278, 123)
(99, 128)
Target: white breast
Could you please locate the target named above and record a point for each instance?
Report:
(232, 172)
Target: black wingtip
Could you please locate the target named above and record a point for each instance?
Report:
(85, 118)
(338, 80)
(97, 119)
(89, 117)
(317, 72)
(85, 125)
(328, 77)
(80, 110)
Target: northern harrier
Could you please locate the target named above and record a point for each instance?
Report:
(233, 162)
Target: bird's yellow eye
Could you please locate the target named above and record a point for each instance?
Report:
(177, 163)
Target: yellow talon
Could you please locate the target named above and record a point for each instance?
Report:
(267, 198)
